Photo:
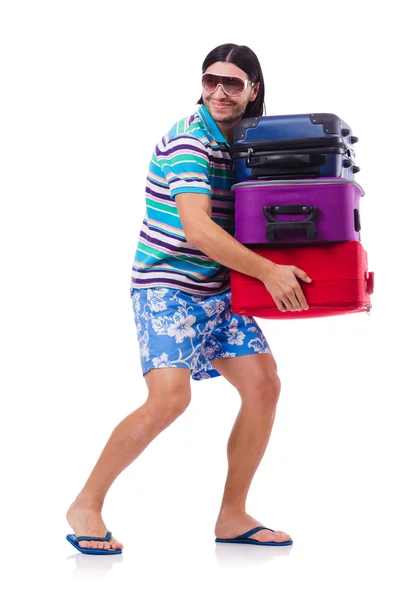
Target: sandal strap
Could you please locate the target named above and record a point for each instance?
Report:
(251, 532)
(87, 538)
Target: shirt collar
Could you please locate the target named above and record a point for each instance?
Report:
(211, 125)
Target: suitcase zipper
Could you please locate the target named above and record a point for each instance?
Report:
(294, 144)
(366, 306)
(321, 181)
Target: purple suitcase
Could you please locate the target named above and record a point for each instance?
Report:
(303, 211)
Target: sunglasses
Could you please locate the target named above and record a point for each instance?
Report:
(232, 86)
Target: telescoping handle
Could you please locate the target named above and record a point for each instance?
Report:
(308, 225)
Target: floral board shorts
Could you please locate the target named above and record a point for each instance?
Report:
(176, 329)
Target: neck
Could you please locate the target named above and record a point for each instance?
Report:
(227, 131)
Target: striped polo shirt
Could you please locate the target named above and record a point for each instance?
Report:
(192, 157)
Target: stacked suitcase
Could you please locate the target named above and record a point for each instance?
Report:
(297, 203)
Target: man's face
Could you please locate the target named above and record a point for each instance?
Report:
(222, 107)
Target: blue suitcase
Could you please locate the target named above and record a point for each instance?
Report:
(293, 147)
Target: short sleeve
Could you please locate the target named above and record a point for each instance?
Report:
(185, 163)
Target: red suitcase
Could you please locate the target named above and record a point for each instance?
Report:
(340, 284)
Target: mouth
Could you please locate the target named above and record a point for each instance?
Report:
(220, 105)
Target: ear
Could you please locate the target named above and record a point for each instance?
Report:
(255, 91)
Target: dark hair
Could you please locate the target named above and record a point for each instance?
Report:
(244, 58)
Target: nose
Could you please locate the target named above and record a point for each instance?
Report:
(219, 92)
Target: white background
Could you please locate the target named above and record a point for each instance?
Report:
(88, 89)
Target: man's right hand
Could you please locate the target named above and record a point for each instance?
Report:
(282, 284)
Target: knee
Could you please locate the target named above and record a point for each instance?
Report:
(177, 402)
(275, 387)
(166, 406)
(264, 390)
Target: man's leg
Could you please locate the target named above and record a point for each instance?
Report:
(255, 377)
(169, 396)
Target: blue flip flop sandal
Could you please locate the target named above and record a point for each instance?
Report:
(75, 542)
(243, 539)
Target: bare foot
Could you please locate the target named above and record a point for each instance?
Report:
(84, 519)
(230, 526)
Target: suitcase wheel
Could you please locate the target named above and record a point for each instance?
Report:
(370, 283)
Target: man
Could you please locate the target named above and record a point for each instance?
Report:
(180, 289)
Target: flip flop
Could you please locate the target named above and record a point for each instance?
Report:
(243, 539)
(75, 542)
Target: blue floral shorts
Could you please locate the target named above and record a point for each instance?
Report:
(176, 329)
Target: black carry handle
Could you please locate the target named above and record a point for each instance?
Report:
(286, 166)
(285, 160)
(290, 209)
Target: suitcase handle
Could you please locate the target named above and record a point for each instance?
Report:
(370, 282)
(290, 209)
(285, 166)
(285, 160)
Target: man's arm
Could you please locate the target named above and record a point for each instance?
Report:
(203, 233)
(213, 241)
